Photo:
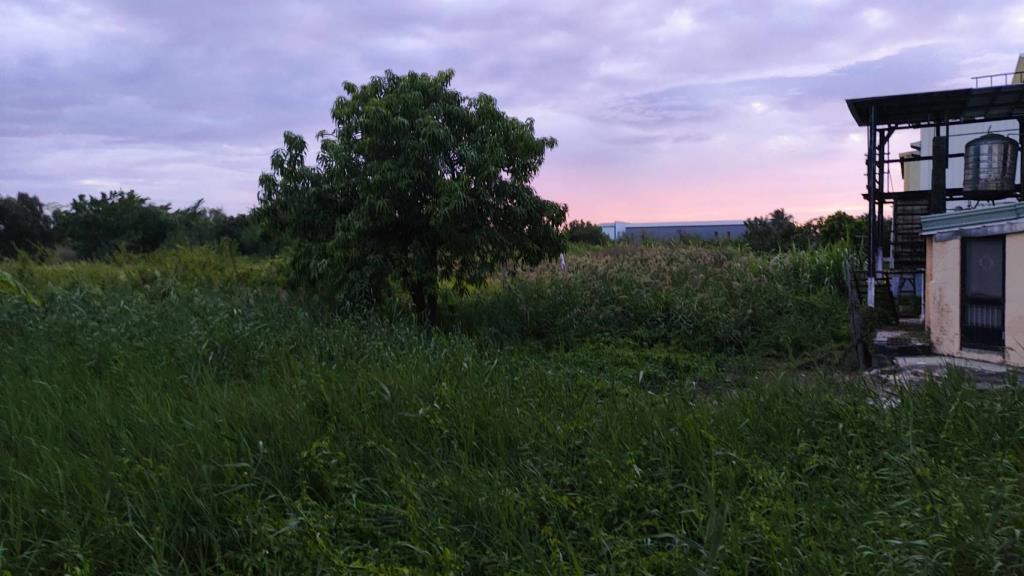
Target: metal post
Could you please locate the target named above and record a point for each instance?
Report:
(1020, 140)
(880, 234)
(940, 161)
(872, 198)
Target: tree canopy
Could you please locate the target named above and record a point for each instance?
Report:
(585, 232)
(776, 231)
(24, 225)
(779, 231)
(97, 226)
(414, 184)
(840, 227)
(197, 225)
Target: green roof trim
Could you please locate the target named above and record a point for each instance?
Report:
(960, 219)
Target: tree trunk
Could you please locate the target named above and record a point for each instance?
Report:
(421, 282)
(424, 299)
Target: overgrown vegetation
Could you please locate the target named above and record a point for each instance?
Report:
(179, 413)
(708, 301)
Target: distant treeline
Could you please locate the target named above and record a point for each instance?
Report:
(93, 227)
(774, 232)
(779, 231)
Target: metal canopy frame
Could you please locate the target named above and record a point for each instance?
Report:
(884, 115)
(930, 109)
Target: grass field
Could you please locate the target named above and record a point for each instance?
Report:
(654, 410)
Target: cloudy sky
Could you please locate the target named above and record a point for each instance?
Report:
(663, 110)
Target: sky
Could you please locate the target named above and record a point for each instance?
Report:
(701, 110)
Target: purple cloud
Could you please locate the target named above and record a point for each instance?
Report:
(662, 110)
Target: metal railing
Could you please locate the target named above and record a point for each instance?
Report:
(1006, 78)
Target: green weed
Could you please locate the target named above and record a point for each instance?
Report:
(197, 422)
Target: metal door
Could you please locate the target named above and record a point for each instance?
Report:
(983, 287)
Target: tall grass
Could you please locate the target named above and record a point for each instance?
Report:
(197, 266)
(209, 427)
(690, 297)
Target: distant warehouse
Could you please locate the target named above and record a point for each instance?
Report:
(714, 230)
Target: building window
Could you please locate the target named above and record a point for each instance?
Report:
(983, 288)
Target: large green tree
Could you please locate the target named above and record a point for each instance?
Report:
(415, 183)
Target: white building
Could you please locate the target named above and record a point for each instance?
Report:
(709, 230)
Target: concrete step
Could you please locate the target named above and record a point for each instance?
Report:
(891, 343)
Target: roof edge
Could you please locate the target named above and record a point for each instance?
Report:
(936, 223)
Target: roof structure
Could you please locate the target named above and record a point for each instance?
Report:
(934, 108)
(1000, 219)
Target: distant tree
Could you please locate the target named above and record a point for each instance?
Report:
(583, 232)
(840, 227)
(196, 225)
(774, 232)
(414, 184)
(24, 225)
(96, 227)
(245, 230)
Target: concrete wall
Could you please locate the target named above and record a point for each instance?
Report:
(942, 309)
(1015, 299)
(942, 293)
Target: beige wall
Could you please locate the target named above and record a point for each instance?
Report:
(942, 293)
(1015, 299)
